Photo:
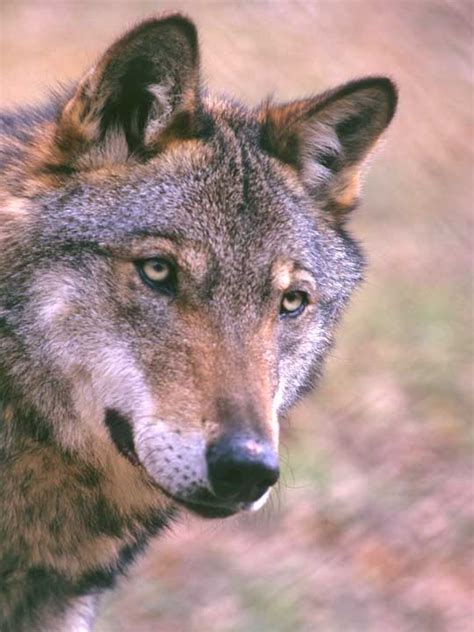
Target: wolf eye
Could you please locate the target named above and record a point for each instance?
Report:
(157, 272)
(293, 303)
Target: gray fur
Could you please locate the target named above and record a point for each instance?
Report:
(95, 183)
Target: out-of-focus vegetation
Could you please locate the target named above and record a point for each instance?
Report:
(372, 528)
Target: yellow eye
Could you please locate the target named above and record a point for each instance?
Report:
(159, 274)
(293, 303)
(156, 270)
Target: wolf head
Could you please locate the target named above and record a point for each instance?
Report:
(173, 265)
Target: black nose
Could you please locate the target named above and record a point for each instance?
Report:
(242, 468)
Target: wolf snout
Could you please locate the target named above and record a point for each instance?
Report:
(241, 469)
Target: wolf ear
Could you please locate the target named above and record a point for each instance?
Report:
(328, 138)
(145, 82)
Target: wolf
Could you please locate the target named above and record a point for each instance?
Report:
(172, 269)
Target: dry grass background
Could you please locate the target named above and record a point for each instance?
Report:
(372, 528)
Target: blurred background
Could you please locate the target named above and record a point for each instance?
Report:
(372, 525)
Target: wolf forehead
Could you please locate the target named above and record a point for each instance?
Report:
(204, 185)
(221, 193)
(214, 181)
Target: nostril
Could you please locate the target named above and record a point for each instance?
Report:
(239, 472)
(263, 485)
(229, 481)
(266, 482)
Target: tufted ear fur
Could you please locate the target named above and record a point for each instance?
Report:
(329, 137)
(146, 83)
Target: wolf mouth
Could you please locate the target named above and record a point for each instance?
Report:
(208, 511)
(205, 505)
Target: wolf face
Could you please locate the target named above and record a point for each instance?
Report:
(173, 265)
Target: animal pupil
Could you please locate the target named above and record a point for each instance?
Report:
(293, 303)
(156, 269)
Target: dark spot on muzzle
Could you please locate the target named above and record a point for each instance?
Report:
(121, 433)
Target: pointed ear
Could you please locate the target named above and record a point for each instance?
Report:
(328, 138)
(141, 86)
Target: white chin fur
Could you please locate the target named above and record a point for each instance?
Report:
(258, 504)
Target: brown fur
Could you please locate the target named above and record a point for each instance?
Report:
(116, 392)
